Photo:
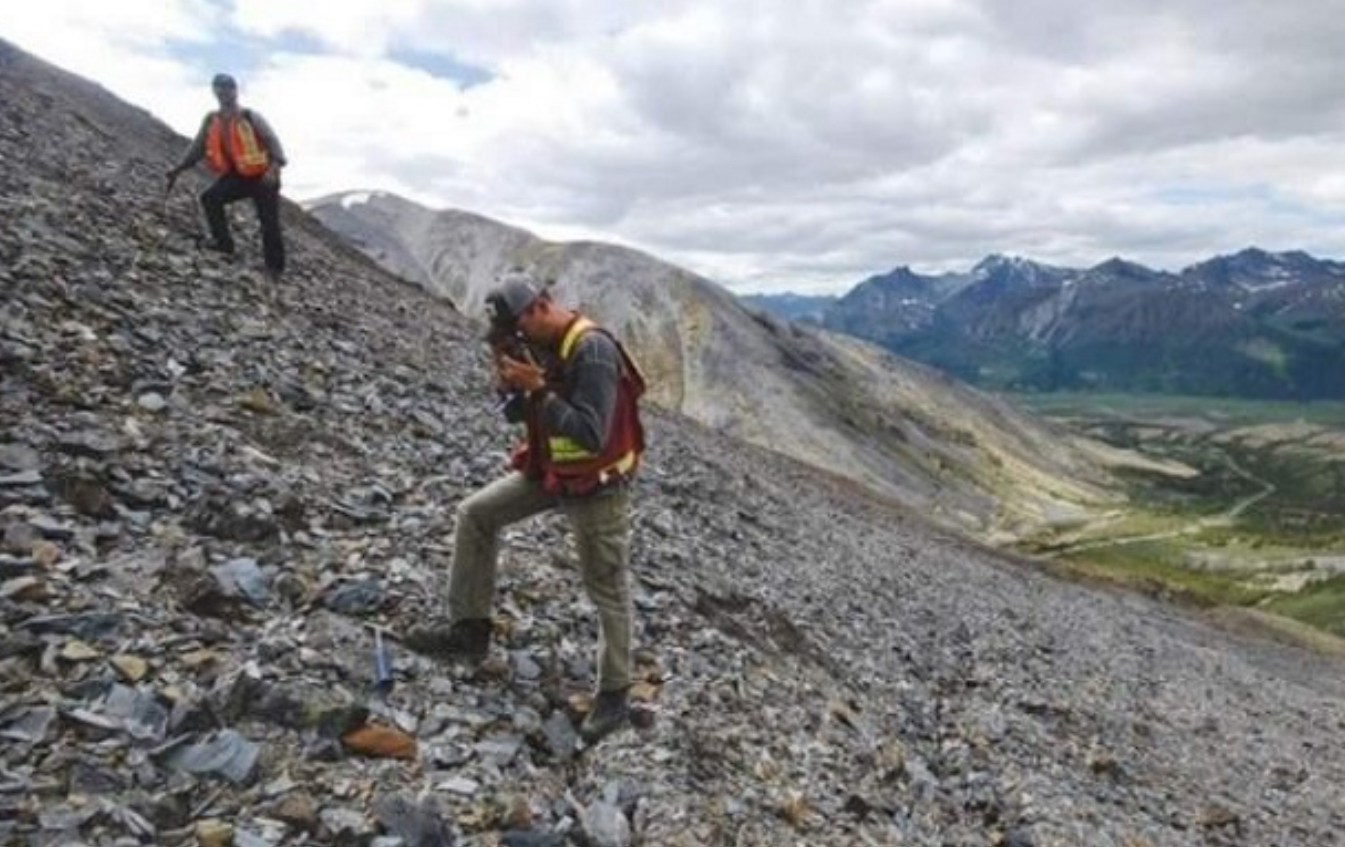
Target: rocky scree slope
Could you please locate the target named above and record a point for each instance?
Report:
(965, 458)
(209, 492)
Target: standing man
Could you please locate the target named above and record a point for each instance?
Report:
(240, 146)
(583, 444)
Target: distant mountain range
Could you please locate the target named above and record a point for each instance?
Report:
(1253, 324)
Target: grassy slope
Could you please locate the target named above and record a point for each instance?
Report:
(1321, 605)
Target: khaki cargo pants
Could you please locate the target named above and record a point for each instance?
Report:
(601, 527)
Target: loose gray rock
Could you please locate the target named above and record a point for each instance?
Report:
(530, 838)
(416, 823)
(242, 578)
(225, 753)
(605, 825)
(20, 478)
(346, 825)
(138, 710)
(27, 724)
(88, 625)
(360, 598)
(561, 738)
(500, 749)
(19, 457)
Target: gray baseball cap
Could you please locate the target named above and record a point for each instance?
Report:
(517, 291)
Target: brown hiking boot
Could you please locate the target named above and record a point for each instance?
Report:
(467, 640)
(611, 711)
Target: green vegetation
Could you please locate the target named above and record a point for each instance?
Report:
(1268, 352)
(1322, 605)
(1159, 567)
(1267, 504)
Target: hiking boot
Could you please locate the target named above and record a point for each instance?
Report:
(467, 640)
(611, 711)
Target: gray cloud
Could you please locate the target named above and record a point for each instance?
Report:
(808, 144)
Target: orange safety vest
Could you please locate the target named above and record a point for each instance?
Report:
(559, 462)
(232, 146)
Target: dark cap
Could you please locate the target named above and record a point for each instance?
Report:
(223, 81)
(516, 292)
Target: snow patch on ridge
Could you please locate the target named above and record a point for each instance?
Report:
(356, 198)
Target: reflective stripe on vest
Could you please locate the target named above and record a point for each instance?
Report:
(564, 449)
(580, 326)
(240, 151)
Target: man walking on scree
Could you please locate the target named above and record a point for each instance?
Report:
(584, 441)
(240, 146)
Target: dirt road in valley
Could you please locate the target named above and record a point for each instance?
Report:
(1224, 518)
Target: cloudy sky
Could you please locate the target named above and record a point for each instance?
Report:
(778, 144)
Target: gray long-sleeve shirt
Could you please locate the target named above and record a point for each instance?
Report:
(268, 138)
(584, 407)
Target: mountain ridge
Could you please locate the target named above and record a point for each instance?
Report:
(1252, 323)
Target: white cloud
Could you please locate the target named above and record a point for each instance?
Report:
(123, 46)
(773, 143)
(348, 26)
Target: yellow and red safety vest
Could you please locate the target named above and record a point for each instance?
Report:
(559, 462)
(232, 146)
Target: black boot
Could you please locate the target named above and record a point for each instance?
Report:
(611, 711)
(468, 640)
